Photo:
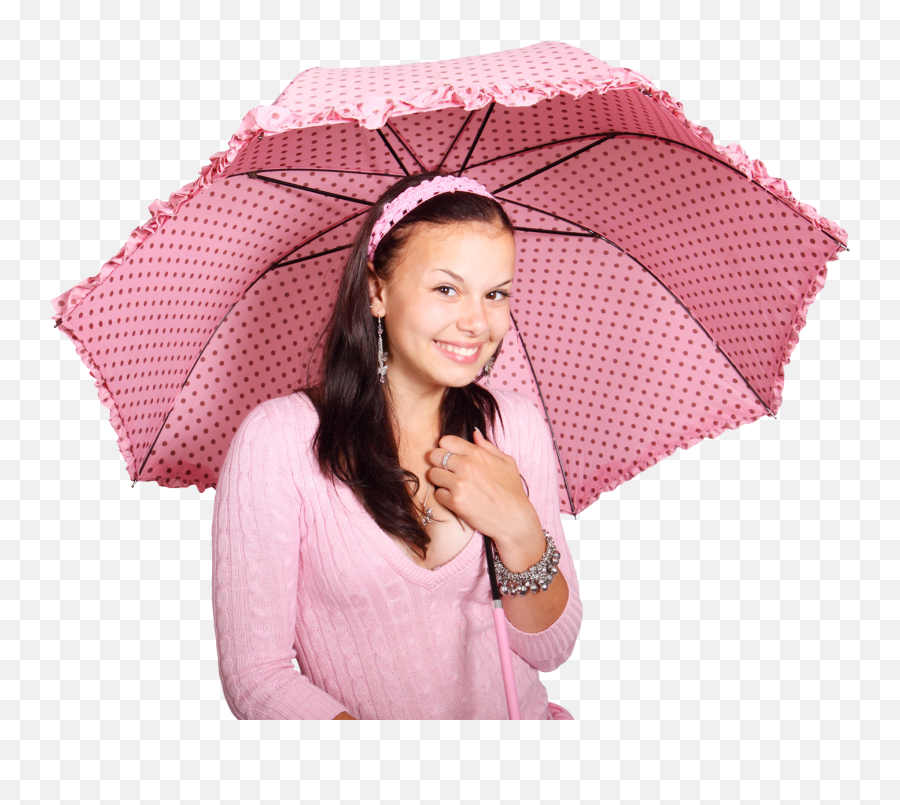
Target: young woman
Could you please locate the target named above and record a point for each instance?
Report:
(348, 518)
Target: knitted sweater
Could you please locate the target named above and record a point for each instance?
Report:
(301, 570)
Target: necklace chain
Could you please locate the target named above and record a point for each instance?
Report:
(429, 516)
(428, 512)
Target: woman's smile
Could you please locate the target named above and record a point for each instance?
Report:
(458, 356)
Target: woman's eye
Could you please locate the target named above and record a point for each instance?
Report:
(450, 287)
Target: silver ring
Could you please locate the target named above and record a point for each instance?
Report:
(446, 458)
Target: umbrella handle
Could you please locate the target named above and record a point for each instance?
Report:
(509, 679)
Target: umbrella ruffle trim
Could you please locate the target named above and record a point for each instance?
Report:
(375, 111)
(646, 463)
(181, 483)
(735, 155)
(818, 282)
(103, 392)
(793, 338)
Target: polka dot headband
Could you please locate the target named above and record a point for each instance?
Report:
(410, 198)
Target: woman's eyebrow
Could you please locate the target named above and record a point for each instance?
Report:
(460, 280)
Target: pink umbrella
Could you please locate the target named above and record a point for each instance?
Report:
(666, 278)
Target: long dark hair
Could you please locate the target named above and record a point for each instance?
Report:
(355, 440)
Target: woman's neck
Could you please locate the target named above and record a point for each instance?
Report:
(415, 424)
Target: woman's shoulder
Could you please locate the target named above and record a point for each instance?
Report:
(520, 417)
(515, 403)
(289, 416)
(506, 395)
(291, 421)
(297, 402)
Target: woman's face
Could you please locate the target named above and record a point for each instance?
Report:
(450, 286)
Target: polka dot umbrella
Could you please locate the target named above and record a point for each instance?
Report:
(661, 286)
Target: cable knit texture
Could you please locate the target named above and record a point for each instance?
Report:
(301, 570)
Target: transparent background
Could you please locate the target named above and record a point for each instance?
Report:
(740, 626)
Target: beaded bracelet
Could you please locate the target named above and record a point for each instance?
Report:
(537, 577)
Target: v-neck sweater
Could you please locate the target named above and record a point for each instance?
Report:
(300, 570)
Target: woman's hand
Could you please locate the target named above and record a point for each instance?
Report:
(345, 716)
(482, 486)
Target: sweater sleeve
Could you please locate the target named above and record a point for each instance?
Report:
(546, 650)
(256, 555)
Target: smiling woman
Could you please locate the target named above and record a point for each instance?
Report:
(403, 564)
(466, 322)
(464, 350)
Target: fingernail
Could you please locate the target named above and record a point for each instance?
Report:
(479, 432)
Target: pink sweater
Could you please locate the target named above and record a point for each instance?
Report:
(301, 570)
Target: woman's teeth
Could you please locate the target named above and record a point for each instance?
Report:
(464, 352)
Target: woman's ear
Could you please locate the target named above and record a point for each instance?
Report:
(373, 284)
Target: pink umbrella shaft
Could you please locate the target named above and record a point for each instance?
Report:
(509, 680)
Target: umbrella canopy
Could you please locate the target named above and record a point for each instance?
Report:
(661, 285)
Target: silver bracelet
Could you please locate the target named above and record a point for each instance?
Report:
(537, 577)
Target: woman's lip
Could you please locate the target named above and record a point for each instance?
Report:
(460, 344)
(459, 358)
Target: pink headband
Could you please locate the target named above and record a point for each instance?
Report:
(410, 198)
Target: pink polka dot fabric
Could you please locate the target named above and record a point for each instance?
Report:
(661, 286)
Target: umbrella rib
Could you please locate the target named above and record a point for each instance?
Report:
(318, 234)
(477, 138)
(555, 231)
(559, 161)
(404, 144)
(673, 295)
(559, 457)
(304, 259)
(310, 240)
(565, 140)
(614, 135)
(270, 180)
(393, 152)
(221, 322)
(211, 336)
(587, 229)
(348, 171)
(462, 128)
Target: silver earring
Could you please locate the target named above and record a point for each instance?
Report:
(382, 366)
(488, 367)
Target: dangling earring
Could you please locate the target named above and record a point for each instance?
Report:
(488, 367)
(382, 366)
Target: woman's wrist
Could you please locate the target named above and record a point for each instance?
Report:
(527, 549)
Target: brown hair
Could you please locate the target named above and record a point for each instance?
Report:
(355, 440)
